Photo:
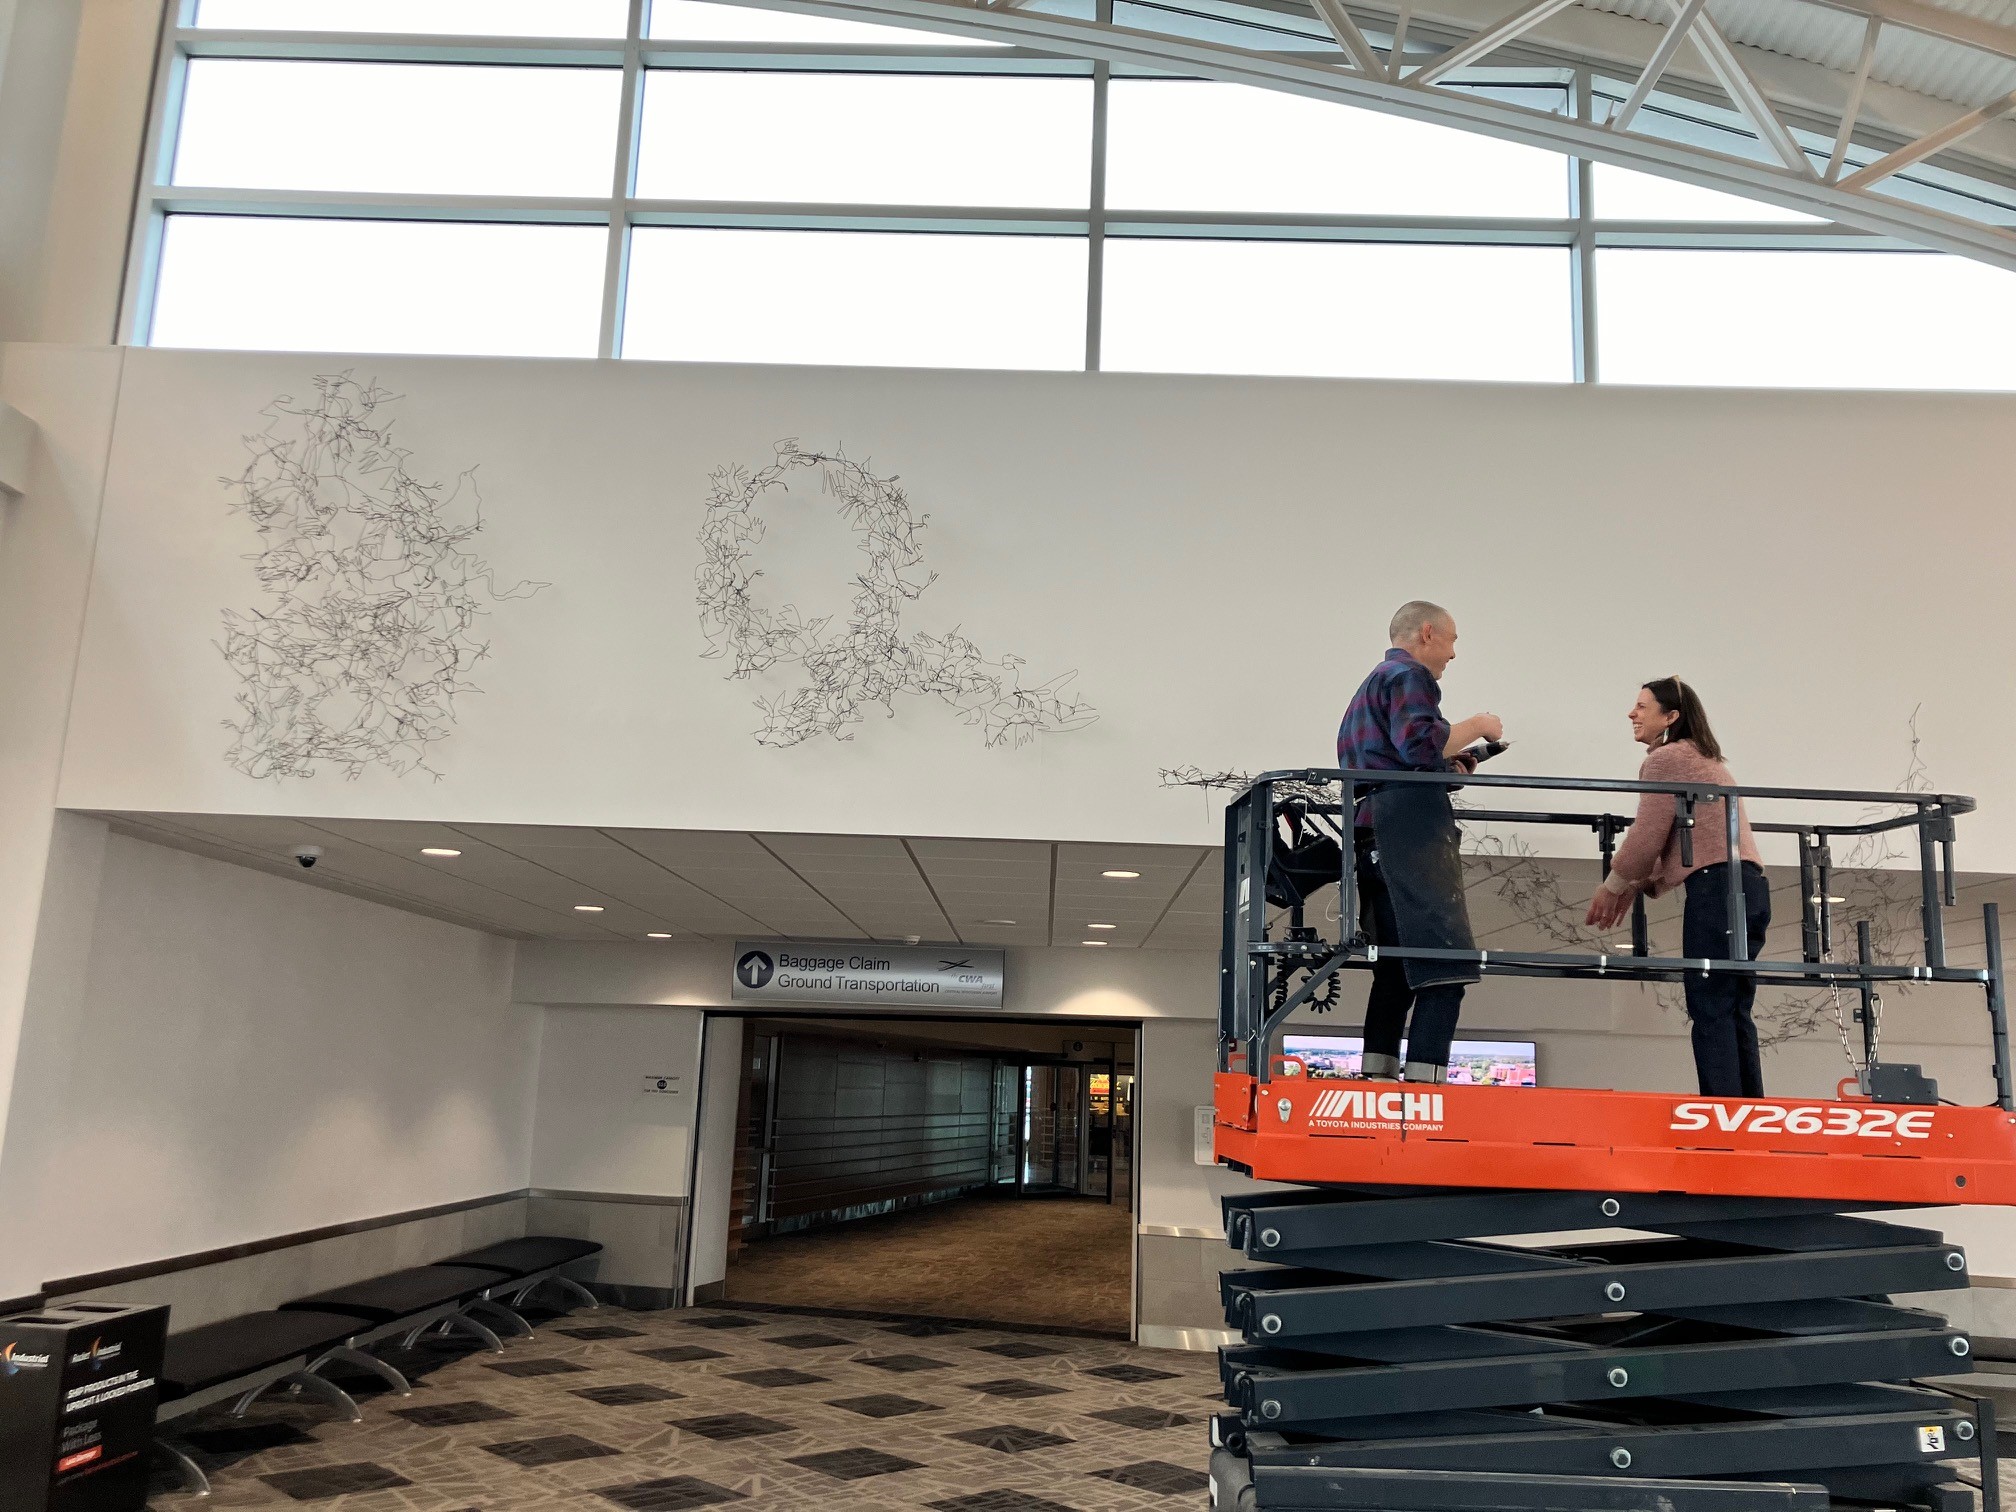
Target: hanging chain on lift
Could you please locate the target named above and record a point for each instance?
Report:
(1841, 1024)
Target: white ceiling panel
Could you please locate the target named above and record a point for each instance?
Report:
(479, 909)
(524, 880)
(521, 838)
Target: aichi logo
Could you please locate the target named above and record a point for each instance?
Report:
(1362, 1108)
(14, 1359)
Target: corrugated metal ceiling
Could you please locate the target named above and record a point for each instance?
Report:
(1820, 34)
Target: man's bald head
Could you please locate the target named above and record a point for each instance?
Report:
(1414, 616)
(1426, 632)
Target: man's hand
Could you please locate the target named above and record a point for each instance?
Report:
(1476, 727)
(1607, 909)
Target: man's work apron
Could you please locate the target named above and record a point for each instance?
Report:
(1420, 862)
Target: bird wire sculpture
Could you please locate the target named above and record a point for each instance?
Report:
(867, 661)
(368, 633)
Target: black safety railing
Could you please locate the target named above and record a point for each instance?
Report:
(1274, 852)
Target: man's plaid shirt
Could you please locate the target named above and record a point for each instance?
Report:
(1394, 722)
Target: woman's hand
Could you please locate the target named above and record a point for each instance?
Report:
(1607, 909)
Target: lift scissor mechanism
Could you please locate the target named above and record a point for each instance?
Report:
(1478, 1297)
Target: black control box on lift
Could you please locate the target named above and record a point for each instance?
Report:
(78, 1388)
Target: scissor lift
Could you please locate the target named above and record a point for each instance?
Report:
(1437, 1320)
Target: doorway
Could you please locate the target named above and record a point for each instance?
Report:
(1078, 1124)
(945, 1169)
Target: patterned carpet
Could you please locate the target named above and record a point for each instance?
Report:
(1066, 1262)
(660, 1412)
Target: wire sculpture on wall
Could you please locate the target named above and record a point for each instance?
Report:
(368, 633)
(868, 661)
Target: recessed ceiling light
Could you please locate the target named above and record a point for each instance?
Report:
(587, 908)
(1102, 926)
(1124, 876)
(997, 921)
(656, 935)
(438, 850)
(1091, 942)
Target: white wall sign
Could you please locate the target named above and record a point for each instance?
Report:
(947, 976)
(1205, 1137)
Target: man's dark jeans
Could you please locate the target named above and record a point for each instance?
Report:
(1435, 1008)
(1718, 1005)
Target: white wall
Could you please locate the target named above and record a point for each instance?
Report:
(714, 1169)
(597, 1129)
(46, 536)
(248, 1057)
(75, 77)
(1215, 558)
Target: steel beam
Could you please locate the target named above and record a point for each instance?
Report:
(1708, 1448)
(1484, 43)
(1655, 69)
(1793, 185)
(1932, 142)
(1349, 37)
(1316, 1303)
(1345, 1217)
(1270, 1395)
(1748, 96)
(1474, 1491)
(1851, 109)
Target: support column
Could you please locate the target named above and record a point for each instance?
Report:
(48, 873)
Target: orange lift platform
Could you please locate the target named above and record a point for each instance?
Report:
(1428, 1321)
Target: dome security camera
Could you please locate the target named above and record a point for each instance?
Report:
(307, 855)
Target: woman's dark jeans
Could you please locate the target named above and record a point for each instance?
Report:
(1718, 1005)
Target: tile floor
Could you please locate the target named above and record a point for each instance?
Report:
(662, 1412)
(659, 1412)
(1055, 1260)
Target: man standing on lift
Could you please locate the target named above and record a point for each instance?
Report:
(1410, 870)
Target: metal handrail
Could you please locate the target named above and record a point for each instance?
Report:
(1245, 1019)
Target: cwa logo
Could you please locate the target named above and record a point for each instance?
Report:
(14, 1360)
(1361, 1108)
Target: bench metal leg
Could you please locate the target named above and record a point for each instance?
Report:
(463, 1321)
(343, 1354)
(307, 1382)
(519, 1327)
(575, 1289)
(194, 1481)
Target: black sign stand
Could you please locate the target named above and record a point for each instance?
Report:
(77, 1397)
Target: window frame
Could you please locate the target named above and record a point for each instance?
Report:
(621, 210)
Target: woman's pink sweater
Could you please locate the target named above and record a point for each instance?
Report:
(1649, 858)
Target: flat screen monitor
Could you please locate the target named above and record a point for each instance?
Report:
(1472, 1063)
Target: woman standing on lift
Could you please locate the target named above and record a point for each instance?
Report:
(1669, 722)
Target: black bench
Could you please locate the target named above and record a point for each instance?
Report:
(243, 1357)
(524, 1266)
(409, 1302)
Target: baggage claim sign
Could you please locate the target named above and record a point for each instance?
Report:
(920, 976)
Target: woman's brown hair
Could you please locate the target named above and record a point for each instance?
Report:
(1675, 697)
